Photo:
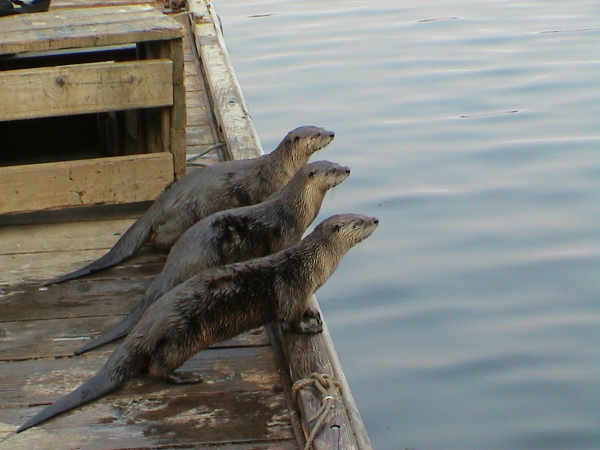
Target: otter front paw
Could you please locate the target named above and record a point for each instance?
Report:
(310, 323)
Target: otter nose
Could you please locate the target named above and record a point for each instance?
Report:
(331, 134)
(375, 220)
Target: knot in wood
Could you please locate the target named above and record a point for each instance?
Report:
(61, 80)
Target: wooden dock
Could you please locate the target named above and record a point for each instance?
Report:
(245, 401)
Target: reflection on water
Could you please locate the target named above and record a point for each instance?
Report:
(471, 318)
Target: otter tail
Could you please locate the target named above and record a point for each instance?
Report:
(117, 332)
(122, 329)
(101, 384)
(133, 239)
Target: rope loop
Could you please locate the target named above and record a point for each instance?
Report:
(328, 387)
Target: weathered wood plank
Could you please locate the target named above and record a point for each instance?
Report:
(289, 444)
(354, 417)
(95, 213)
(199, 135)
(192, 83)
(226, 369)
(54, 19)
(306, 354)
(61, 337)
(50, 338)
(75, 299)
(176, 54)
(80, 298)
(202, 131)
(197, 117)
(194, 100)
(83, 36)
(84, 182)
(155, 421)
(71, 236)
(178, 110)
(62, 4)
(43, 251)
(53, 30)
(38, 267)
(230, 106)
(85, 88)
(178, 149)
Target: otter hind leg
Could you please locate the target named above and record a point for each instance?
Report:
(168, 375)
(166, 359)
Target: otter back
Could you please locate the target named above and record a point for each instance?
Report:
(238, 235)
(208, 190)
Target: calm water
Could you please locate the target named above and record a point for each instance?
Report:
(471, 318)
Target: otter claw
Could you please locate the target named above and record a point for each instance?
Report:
(312, 314)
(312, 328)
(183, 379)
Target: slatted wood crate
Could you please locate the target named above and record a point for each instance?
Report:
(92, 107)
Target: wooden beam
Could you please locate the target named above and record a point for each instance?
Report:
(84, 182)
(70, 371)
(229, 104)
(159, 5)
(154, 419)
(59, 338)
(92, 27)
(53, 19)
(356, 422)
(85, 88)
(306, 354)
(178, 110)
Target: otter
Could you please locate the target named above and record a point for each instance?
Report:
(208, 190)
(238, 235)
(221, 303)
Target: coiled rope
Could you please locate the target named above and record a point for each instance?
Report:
(327, 386)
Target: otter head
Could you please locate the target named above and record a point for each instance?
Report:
(304, 141)
(344, 231)
(325, 175)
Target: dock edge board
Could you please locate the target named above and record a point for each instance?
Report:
(242, 139)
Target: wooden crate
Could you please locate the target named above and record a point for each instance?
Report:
(117, 72)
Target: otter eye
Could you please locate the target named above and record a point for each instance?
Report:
(336, 227)
(311, 174)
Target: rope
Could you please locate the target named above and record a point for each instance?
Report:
(189, 160)
(327, 386)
